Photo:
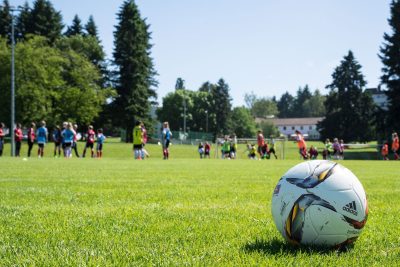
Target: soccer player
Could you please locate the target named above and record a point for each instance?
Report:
(301, 144)
(18, 139)
(64, 127)
(68, 137)
(272, 147)
(31, 138)
(166, 137)
(395, 145)
(252, 151)
(137, 140)
(89, 141)
(326, 154)
(201, 150)
(264, 151)
(233, 148)
(74, 143)
(226, 148)
(57, 140)
(1, 138)
(260, 142)
(385, 151)
(100, 140)
(313, 152)
(144, 151)
(41, 136)
(341, 153)
(336, 149)
(207, 149)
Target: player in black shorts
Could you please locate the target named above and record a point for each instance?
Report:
(57, 140)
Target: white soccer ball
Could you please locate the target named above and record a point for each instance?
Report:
(319, 203)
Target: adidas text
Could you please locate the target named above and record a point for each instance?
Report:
(351, 207)
(350, 210)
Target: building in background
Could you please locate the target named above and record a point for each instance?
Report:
(379, 97)
(287, 126)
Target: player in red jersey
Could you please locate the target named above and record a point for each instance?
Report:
(18, 136)
(31, 138)
(90, 138)
(207, 150)
(385, 151)
(395, 145)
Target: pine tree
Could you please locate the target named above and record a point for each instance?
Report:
(286, 105)
(5, 19)
(303, 94)
(97, 55)
(390, 56)
(23, 20)
(135, 70)
(45, 21)
(180, 84)
(206, 87)
(91, 28)
(221, 107)
(349, 111)
(314, 107)
(76, 27)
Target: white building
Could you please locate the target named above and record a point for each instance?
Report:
(288, 126)
(379, 97)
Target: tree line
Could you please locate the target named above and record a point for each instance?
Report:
(209, 109)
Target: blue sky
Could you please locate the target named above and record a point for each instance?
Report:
(264, 46)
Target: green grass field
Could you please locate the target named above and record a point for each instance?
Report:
(185, 211)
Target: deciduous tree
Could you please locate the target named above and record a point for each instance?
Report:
(51, 84)
(242, 123)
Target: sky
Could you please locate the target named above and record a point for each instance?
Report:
(263, 46)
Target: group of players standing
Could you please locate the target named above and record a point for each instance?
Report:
(140, 140)
(65, 138)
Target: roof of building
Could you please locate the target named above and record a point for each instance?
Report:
(375, 91)
(292, 121)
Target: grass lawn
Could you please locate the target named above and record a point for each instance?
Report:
(185, 211)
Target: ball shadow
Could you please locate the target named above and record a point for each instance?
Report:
(276, 246)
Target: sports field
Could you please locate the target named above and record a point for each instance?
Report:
(184, 211)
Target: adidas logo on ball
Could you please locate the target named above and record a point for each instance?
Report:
(351, 207)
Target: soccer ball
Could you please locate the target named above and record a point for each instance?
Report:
(319, 203)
